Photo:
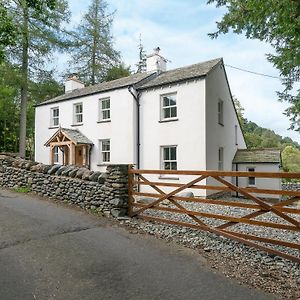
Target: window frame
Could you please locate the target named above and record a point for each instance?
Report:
(53, 117)
(170, 160)
(77, 114)
(169, 107)
(251, 184)
(104, 152)
(102, 110)
(221, 112)
(221, 159)
(236, 135)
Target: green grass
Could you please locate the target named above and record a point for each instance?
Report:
(23, 190)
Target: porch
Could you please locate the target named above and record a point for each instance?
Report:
(74, 147)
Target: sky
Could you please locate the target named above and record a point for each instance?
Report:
(180, 29)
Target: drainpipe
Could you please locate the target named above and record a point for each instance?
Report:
(237, 178)
(136, 96)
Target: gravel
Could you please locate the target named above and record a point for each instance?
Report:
(250, 266)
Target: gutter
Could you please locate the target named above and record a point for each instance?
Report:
(136, 96)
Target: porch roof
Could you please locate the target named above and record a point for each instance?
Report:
(73, 135)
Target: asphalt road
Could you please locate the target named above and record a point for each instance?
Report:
(48, 251)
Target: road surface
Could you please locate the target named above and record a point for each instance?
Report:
(49, 251)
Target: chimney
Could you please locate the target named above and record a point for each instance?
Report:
(155, 62)
(73, 83)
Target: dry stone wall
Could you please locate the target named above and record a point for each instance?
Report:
(103, 192)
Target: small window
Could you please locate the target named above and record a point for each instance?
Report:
(104, 151)
(220, 112)
(236, 134)
(104, 109)
(54, 117)
(251, 180)
(221, 159)
(168, 107)
(78, 113)
(169, 157)
(55, 155)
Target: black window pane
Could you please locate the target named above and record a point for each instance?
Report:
(167, 113)
(173, 153)
(174, 112)
(173, 165)
(166, 101)
(167, 166)
(166, 154)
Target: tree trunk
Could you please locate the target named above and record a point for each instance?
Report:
(24, 83)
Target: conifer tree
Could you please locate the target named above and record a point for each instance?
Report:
(93, 53)
(141, 65)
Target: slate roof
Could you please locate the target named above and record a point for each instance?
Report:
(100, 87)
(257, 156)
(182, 74)
(76, 136)
(143, 80)
(73, 134)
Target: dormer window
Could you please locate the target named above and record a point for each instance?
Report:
(168, 107)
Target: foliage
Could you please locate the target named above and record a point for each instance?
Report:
(38, 33)
(117, 72)
(141, 65)
(8, 30)
(277, 23)
(23, 189)
(93, 53)
(291, 159)
(9, 108)
(44, 87)
(259, 137)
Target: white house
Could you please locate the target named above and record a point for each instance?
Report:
(178, 119)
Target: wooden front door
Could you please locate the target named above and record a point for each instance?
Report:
(79, 155)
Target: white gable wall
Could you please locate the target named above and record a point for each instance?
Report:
(187, 133)
(121, 130)
(217, 135)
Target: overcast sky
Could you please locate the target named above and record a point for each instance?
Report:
(180, 29)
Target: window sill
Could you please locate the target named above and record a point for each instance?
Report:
(221, 124)
(168, 120)
(79, 124)
(53, 127)
(168, 177)
(104, 121)
(103, 164)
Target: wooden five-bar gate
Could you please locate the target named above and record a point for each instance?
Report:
(148, 198)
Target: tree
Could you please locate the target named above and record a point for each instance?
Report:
(8, 30)
(259, 137)
(9, 107)
(117, 72)
(93, 53)
(39, 32)
(141, 65)
(277, 23)
(291, 159)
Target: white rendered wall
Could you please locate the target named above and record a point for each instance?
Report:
(217, 135)
(121, 130)
(187, 133)
(260, 183)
